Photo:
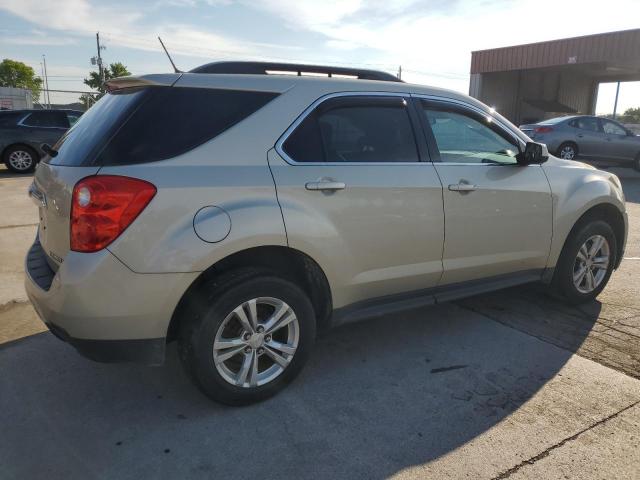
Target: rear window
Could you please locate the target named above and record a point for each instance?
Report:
(154, 123)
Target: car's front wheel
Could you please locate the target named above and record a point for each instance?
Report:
(568, 151)
(250, 335)
(586, 262)
(20, 159)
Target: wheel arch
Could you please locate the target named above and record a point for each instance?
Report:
(612, 215)
(20, 144)
(284, 261)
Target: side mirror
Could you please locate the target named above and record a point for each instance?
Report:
(534, 153)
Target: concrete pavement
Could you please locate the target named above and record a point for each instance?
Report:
(508, 385)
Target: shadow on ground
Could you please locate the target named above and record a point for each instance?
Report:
(377, 397)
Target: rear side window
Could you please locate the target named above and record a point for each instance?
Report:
(355, 129)
(47, 119)
(9, 119)
(173, 121)
(154, 123)
(587, 123)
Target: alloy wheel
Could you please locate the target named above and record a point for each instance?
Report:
(591, 264)
(21, 160)
(568, 152)
(256, 342)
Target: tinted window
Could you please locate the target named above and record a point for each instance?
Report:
(73, 118)
(46, 119)
(82, 142)
(155, 123)
(8, 119)
(587, 123)
(355, 129)
(173, 121)
(611, 128)
(466, 137)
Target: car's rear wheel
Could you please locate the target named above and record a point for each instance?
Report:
(586, 262)
(250, 335)
(568, 151)
(20, 159)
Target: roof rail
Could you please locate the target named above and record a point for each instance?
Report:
(266, 68)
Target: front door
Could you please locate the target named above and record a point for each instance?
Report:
(498, 215)
(358, 198)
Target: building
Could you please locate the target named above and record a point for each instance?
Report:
(527, 83)
(15, 98)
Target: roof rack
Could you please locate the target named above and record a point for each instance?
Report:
(267, 68)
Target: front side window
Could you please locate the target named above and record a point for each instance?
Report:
(466, 137)
(355, 129)
(611, 128)
(588, 123)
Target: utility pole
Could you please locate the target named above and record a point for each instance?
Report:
(100, 71)
(46, 81)
(400, 72)
(615, 104)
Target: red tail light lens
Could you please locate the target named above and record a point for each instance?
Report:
(543, 129)
(103, 206)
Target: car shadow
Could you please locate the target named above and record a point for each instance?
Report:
(377, 397)
(5, 173)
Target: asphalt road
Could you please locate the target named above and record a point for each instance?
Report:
(508, 385)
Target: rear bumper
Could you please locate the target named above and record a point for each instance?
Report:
(102, 308)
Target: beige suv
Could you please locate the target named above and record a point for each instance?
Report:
(238, 210)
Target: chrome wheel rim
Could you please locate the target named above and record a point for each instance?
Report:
(591, 264)
(20, 160)
(256, 342)
(568, 153)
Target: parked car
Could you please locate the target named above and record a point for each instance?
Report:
(239, 212)
(591, 138)
(22, 132)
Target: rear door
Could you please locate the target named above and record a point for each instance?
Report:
(498, 213)
(360, 195)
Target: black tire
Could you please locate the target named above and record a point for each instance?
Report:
(25, 153)
(565, 147)
(207, 310)
(563, 282)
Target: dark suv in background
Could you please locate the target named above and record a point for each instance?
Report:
(22, 132)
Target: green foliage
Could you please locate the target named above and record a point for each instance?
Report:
(114, 70)
(19, 75)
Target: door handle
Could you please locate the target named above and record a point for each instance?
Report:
(462, 187)
(580, 135)
(325, 186)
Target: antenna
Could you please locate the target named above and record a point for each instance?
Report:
(175, 69)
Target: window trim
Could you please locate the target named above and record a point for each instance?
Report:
(431, 141)
(416, 128)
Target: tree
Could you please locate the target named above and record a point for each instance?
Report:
(114, 70)
(631, 115)
(19, 75)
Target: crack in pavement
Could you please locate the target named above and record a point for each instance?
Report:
(18, 226)
(547, 452)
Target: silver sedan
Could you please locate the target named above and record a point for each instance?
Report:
(588, 137)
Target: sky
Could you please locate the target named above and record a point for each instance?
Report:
(431, 39)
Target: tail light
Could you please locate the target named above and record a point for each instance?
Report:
(103, 206)
(543, 129)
